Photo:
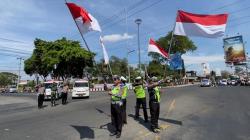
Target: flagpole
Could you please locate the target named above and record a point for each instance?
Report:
(172, 36)
(110, 69)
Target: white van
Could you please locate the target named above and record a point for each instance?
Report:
(80, 89)
(48, 85)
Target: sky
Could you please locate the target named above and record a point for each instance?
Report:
(23, 21)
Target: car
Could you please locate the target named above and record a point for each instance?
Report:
(248, 82)
(80, 89)
(205, 83)
(234, 83)
(12, 89)
(242, 82)
(223, 82)
(48, 85)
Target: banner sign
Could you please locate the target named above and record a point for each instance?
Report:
(234, 50)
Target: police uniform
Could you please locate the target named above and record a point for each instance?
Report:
(140, 100)
(40, 98)
(154, 105)
(53, 94)
(124, 89)
(116, 109)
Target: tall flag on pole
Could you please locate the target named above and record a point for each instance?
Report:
(211, 26)
(84, 20)
(105, 54)
(153, 47)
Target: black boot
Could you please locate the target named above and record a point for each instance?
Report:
(118, 135)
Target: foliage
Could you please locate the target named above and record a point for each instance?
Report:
(7, 78)
(31, 84)
(181, 44)
(225, 74)
(61, 58)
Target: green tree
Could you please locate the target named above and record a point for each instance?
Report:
(119, 66)
(225, 74)
(181, 44)
(7, 78)
(61, 58)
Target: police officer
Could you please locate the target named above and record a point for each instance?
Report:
(40, 97)
(116, 106)
(154, 102)
(65, 91)
(140, 98)
(124, 88)
(53, 93)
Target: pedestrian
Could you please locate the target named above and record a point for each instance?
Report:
(105, 87)
(140, 98)
(65, 93)
(154, 102)
(124, 88)
(53, 93)
(116, 106)
(41, 91)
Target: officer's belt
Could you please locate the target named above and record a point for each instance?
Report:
(115, 102)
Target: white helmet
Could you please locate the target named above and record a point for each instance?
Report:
(123, 78)
(138, 78)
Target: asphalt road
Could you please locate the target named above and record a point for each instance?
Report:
(187, 113)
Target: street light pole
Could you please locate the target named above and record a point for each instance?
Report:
(19, 70)
(128, 65)
(138, 22)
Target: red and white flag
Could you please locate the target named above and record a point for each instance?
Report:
(105, 54)
(212, 26)
(153, 47)
(84, 20)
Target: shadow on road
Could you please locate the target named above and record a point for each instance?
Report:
(171, 121)
(108, 126)
(147, 125)
(141, 121)
(102, 112)
(85, 131)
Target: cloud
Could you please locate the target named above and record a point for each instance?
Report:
(117, 37)
(203, 59)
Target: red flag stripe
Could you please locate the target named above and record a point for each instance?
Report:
(208, 20)
(152, 42)
(78, 11)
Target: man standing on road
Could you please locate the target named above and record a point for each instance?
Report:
(40, 97)
(154, 102)
(116, 106)
(140, 98)
(53, 94)
(65, 93)
(124, 99)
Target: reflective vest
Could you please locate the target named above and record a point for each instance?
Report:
(124, 92)
(157, 94)
(139, 91)
(115, 91)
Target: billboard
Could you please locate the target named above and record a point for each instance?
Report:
(234, 50)
(205, 69)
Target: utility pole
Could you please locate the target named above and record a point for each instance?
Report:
(138, 22)
(128, 64)
(19, 70)
(247, 63)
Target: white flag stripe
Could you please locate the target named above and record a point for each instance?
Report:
(94, 24)
(195, 29)
(105, 54)
(153, 48)
(88, 26)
